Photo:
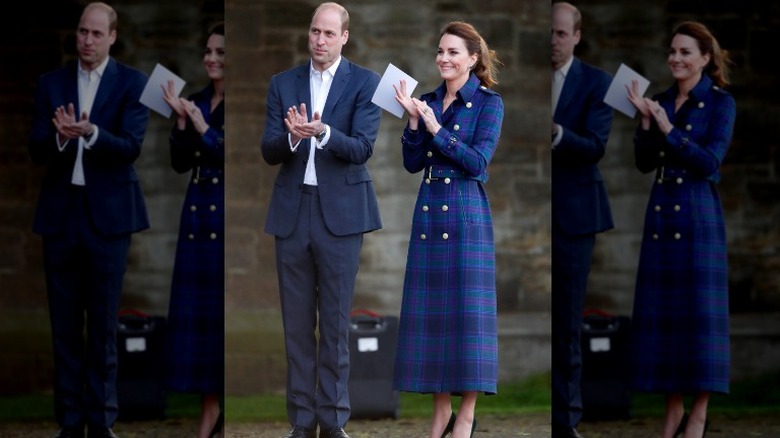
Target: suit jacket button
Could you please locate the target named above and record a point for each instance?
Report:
(655, 236)
(468, 104)
(429, 154)
(423, 236)
(657, 208)
(676, 208)
(213, 236)
(191, 236)
(456, 127)
(445, 236)
(425, 208)
(213, 208)
(193, 208)
(444, 208)
(427, 180)
(677, 236)
(446, 180)
(215, 180)
(679, 180)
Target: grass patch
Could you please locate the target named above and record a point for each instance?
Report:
(754, 396)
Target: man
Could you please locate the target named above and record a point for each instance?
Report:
(580, 208)
(320, 128)
(88, 129)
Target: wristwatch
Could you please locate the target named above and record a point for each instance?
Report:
(321, 135)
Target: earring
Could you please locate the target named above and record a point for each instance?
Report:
(471, 67)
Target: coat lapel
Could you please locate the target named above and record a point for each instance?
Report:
(571, 83)
(337, 88)
(107, 83)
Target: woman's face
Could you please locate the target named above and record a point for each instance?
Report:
(453, 58)
(214, 57)
(685, 59)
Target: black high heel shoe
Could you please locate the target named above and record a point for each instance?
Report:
(217, 429)
(681, 427)
(450, 425)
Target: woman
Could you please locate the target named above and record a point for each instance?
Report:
(449, 303)
(681, 320)
(195, 315)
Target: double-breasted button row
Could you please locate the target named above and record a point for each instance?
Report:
(444, 236)
(677, 236)
(212, 236)
(676, 208)
(194, 208)
(446, 180)
(214, 180)
(444, 207)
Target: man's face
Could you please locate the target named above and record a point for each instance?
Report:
(564, 38)
(93, 38)
(326, 38)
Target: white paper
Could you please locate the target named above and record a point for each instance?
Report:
(152, 96)
(617, 95)
(384, 96)
(135, 345)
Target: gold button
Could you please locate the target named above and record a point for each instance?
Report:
(427, 180)
(197, 153)
(446, 180)
(429, 154)
(215, 180)
(213, 208)
(676, 208)
(193, 208)
(660, 181)
(701, 104)
(662, 154)
(423, 236)
(679, 180)
(191, 236)
(677, 236)
(688, 127)
(657, 208)
(445, 236)
(444, 208)
(194, 180)
(213, 236)
(483, 87)
(456, 127)
(468, 104)
(655, 236)
(425, 208)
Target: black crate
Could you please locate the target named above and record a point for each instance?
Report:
(372, 345)
(140, 378)
(605, 392)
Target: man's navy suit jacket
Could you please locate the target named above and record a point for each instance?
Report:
(115, 200)
(348, 200)
(579, 198)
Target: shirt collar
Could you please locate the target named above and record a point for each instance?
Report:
(99, 70)
(565, 67)
(331, 70)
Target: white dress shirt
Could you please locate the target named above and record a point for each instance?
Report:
(88, 83)
(319, 84)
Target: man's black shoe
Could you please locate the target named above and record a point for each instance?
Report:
(301, 432)
(70, 432)
(335, 432)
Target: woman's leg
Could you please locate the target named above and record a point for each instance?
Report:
(674, 414)
(209, 415)
(465, 419)
(442, 410)
(698, 417)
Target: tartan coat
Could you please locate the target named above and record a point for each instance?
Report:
(447, 328)
(195, 323)
(680, 324)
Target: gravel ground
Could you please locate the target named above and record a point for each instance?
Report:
(534, 425)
